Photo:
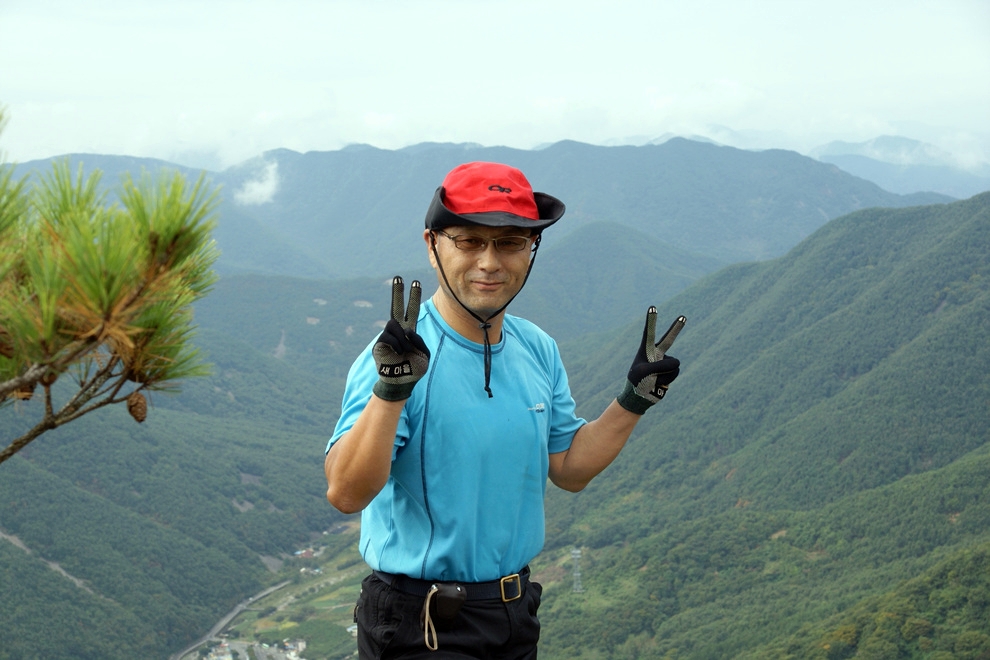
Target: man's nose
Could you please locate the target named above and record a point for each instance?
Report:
(489, 258)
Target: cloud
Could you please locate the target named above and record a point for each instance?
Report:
(260, 190)
(802, 72)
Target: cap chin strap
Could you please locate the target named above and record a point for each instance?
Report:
(484, 324)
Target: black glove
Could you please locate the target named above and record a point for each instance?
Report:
(400, 354)
(652, 371)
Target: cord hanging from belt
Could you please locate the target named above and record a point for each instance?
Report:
(429, 629)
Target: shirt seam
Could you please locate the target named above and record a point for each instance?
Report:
(422, 457)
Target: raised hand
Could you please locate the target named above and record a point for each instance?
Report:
(401, 355)
(652, 370)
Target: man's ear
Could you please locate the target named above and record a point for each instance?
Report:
(428, 237)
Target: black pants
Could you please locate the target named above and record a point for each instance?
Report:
(389, 626)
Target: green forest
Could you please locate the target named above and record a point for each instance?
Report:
(815, 485)
(827, 444)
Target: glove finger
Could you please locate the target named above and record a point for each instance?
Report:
(412, 312)
(416, 342)
(395, 338)
(667, 364)
(649, 332)
(668, 338)
(669, 373)
(662, 367)
(398, 298)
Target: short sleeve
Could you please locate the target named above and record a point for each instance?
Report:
(564, 423)
(361, 380)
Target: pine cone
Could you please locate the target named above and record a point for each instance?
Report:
(6, 344)
(137, 406)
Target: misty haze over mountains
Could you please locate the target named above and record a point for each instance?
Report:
(896, 163)
(902, 165)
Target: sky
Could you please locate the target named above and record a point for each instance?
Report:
(211, 83)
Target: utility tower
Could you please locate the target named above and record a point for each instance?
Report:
(576, 558)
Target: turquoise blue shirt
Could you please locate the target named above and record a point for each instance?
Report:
(464, 499)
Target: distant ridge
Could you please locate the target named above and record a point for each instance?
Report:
(905, 166)
(358, 211)
(893, 149)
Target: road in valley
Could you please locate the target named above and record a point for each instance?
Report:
(227, 618)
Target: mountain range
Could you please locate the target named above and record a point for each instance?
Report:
(359, 211)
(903, 165)
(817, 483)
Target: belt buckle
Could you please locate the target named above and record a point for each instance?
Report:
(510, 579)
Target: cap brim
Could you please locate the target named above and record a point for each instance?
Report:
(550, 210)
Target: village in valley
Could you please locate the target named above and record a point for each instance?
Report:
(288, 650)
(306, 614)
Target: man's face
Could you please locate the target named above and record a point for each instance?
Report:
(486, 279)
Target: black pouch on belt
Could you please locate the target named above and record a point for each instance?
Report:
(442, 604)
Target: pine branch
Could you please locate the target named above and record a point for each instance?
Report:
(29, 377)
(35, 372)
(76, 406)
(105, 288)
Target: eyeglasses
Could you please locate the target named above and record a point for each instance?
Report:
(470, 243)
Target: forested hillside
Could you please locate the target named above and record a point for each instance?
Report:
(165, 525)
(815, 485)
(826, 443)
(602, 276)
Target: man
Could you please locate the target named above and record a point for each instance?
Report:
(450, 475)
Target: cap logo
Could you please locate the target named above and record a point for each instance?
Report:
(498, 188)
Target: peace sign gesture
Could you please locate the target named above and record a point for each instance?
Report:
(652, 370)
(401, 355)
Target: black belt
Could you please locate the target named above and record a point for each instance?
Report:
(506, 589)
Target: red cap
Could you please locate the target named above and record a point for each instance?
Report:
(487, 187)
(493, 195)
